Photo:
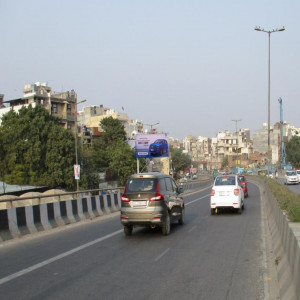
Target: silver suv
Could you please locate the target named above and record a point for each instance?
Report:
(151, 200)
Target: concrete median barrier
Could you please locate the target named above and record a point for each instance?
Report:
(286, 243)
(20, 216)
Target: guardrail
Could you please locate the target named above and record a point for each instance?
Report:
(34, 212)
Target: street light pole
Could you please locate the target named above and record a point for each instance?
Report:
(76, 138)
(257, 28)
(151, 125)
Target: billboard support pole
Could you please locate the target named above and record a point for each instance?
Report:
(137, 166)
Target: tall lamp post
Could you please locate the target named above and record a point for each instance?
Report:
(151, 125)
(76, 138)
(257, 28)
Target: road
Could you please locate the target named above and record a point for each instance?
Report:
(295, 188)
(209, 257)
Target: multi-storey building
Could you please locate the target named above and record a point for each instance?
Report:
(63, 104)
(260, 142)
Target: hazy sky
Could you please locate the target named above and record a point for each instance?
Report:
(191, 65)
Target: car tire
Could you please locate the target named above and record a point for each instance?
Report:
(239, 210)
(166, 227)
(181, 219)
(128, 230)
(212, 211)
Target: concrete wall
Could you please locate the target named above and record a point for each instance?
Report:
(286, 243)
(22, 217)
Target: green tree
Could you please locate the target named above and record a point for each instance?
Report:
(225, 161)
(36, 149)
(180, 160)
(110, 153)
(293, 151)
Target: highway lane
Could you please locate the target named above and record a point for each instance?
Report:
(295, 188)
(210, 257)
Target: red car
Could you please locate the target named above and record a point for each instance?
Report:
(243, 181)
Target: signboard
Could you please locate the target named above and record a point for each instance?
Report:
(77, 172)
(151, 145)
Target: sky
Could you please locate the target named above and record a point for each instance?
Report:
(192, 66)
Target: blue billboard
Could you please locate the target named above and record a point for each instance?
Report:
(151, 145)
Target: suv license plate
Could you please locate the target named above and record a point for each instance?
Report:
(139, 203)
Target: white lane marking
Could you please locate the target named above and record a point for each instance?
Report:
(55, 258)
(160, 256)
(197, 199)
(190, 230)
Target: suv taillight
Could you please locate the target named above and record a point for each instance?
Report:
(236, 192)
(212, 192)
(158, 196)
(123, 198)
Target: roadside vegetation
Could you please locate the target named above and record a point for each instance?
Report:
(288, 201)
(180, 161)
(36, 150)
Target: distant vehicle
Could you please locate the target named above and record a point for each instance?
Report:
(151, 200)
(195, 176)
(298, 174)
(291, 177)
(243, 181)
(270, 175)
(226, 193)
(159, 147)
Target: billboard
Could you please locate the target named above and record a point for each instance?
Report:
(151, 145)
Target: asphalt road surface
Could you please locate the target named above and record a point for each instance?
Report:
(209, 257)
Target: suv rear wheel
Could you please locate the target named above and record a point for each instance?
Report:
(128, 230)
(181, 220)
(166, 228)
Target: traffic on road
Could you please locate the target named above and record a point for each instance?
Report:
(209, 257)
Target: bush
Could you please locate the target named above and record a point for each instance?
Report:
(287, 200)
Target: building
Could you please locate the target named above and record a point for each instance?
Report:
(260, 142)
(63, 105)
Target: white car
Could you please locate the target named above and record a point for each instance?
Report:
(291, 177)
(226, 193)
(298, 174)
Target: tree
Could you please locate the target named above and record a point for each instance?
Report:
(180, 160)
(225, 161)
(36, 149)
(110, 153)
(293, 151)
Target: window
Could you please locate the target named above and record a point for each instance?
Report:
(162, 185)
(69, 108)
(225, 180)
(169, 185)
(141, 185)
(54, 108)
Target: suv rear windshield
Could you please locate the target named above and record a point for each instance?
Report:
(141, 185)
(225, 180)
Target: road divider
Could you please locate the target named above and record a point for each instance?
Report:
(285, 240)
(30, 214)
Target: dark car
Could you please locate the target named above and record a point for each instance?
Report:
(151, 200)
(159, 147)
(244, 185)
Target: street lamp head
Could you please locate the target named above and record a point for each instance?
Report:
(281, 29)
(257, 28)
